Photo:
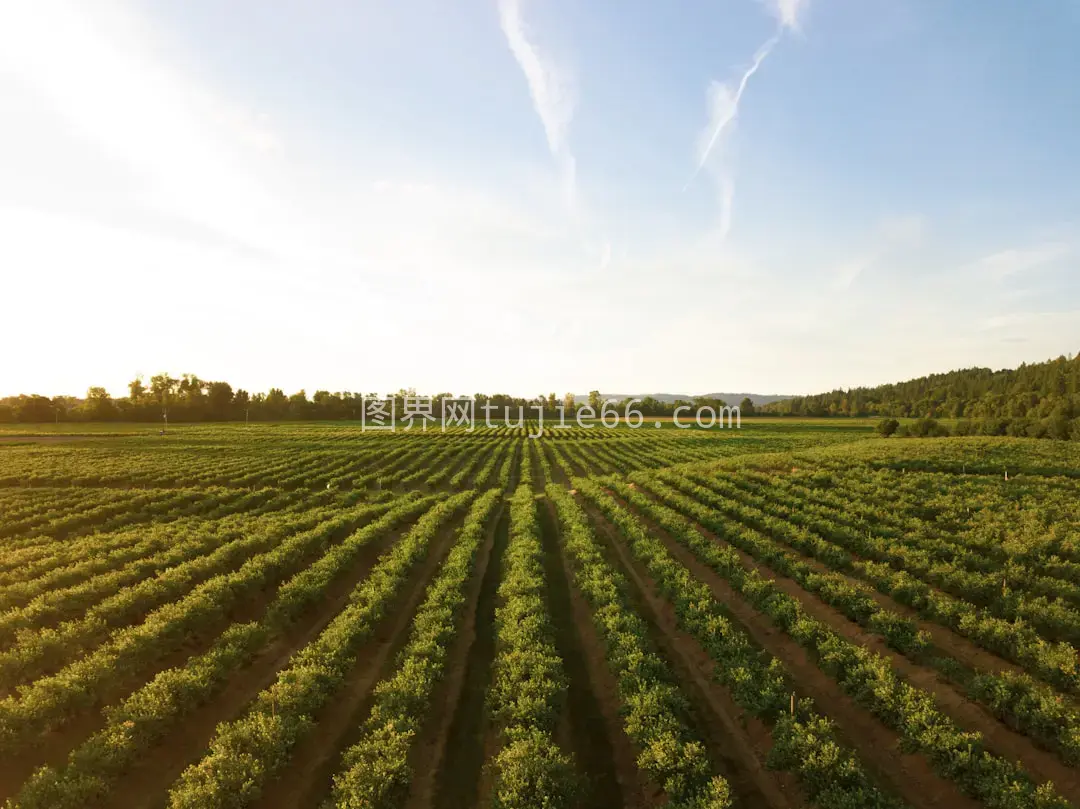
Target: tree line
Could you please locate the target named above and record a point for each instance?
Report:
(1037, 400)
(190, 399)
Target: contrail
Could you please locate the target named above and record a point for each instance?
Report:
(551, 90)
(733, 109)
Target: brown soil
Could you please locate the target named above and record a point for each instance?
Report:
(589, 725)
(969, 715)
(909, 776)
(637, 791)
(306, 781)
(458, 777)
(53, 748)
(432, 747)
(737, 742)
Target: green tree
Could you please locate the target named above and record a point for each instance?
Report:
(163, 389)
(219, 399)
(276, 404)
(136, 389)
(299, 406)
(887, 427)
(34, 410)
(99, 406)
(242, 402)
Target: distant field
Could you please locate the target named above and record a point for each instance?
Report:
(795, 613)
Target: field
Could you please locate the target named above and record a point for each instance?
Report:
(306, 615)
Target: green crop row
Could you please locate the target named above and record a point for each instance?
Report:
(832, 777)
(246, 752)
(1054, 618)
(375, 771)
(869, 678)
(51, 701)
(152, 711)
(1023, 703)
(1056, 663)
(653, 708)
(528, 687)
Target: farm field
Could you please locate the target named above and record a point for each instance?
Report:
(306, 615)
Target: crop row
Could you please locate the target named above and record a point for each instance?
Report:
(528, 687)
(50, 701)
(1057, 663)
(804, 741)
(244, 753)
(1007, 584)
(869, 678)
(1021, 702)
(375, 771)
(66, 592)
(973, 511)
(653, 707)
(149, 713)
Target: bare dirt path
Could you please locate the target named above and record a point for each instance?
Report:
(738, 743)
(586, 727)
(458, 776)
(433, 746)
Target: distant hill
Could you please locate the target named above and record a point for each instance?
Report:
(758, 399)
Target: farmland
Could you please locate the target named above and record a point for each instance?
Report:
(305, 615)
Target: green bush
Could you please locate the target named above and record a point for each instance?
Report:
(887, 427)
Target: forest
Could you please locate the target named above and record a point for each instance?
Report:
(1033, 391)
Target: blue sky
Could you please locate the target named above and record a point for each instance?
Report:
(536, 195)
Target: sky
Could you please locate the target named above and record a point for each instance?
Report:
(525, 196)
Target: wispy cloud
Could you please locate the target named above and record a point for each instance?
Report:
(787, 12)
(724, 99)
(605, 256)
(1018, 260)
(100, 77)
(552, 89)
(893, 233)
(724, 106)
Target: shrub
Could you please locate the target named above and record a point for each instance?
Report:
(887, 427)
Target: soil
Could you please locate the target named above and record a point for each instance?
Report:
(437, 744)
(160, 765)
(738, 744)
(457, 778)
(909, 776)
(967, 714)
(585, 727)
(306, 781)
